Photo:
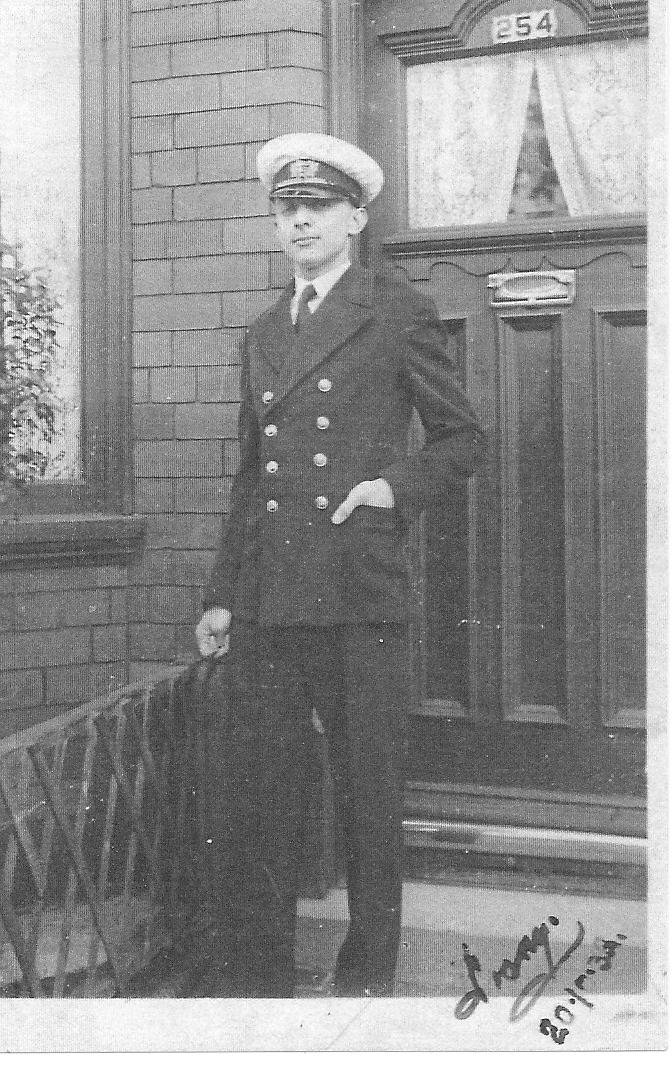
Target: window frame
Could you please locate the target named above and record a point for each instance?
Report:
(105, 483)
(388, 222)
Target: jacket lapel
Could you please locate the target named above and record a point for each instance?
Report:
(273, 336)
(344, 311)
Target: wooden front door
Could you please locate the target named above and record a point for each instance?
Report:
(529, 641)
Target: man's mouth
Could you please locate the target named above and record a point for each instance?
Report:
(305, 239)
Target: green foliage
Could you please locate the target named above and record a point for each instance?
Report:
(28, 401)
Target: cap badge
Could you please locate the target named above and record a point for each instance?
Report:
(303, 169)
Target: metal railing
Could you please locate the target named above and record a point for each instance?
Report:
(100, 812)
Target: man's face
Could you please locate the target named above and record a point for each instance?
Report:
(315, 234)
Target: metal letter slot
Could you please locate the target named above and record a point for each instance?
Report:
(556, 287)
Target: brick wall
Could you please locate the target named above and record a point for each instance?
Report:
(62, 639)
(211, 81)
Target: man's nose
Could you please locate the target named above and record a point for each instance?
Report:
(302, 214)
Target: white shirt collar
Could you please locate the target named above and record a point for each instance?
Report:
(323, 283)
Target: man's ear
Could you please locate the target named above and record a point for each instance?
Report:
(273, 212)
(360, 218)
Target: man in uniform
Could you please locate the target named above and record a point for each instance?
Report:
(310, 586)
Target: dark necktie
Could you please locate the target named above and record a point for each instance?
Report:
(303, 312)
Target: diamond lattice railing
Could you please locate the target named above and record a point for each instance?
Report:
(99, 840)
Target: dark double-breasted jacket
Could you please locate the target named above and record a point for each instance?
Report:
(323, 409)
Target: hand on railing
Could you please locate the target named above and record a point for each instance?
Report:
(212, 632)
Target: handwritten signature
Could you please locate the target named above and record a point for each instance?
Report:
(538, 940)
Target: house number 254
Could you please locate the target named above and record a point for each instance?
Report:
(524, 24)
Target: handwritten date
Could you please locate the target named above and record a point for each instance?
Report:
(538, 941)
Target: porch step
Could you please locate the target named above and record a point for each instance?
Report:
(521, 858)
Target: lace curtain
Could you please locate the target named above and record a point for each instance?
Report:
(465, 125)
(594, 103)
(466, 121)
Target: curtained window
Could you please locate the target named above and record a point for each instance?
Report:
(559, 131)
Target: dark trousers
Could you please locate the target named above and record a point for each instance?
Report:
(356, 677)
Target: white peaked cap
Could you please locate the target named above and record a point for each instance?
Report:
(317, 148)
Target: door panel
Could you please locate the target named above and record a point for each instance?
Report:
(441, 577)
(446, 563)
(534, 680)
(620, 340)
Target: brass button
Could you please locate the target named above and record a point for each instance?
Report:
(320, 459)
(321, 502)
(322, 423)
(271, 430)
(271, 506)
(267, 397)
(271, 466)
(324, 385)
